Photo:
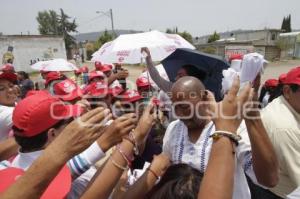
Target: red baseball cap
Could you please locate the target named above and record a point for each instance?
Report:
(105, 67)
(35, 92)
(235, 56)
(96, 74)
(142, 82)
(281, 78)
(83, 69)
(67, 90)
(271, 83)
(51, 76)
(8, 177)
(96, 89)
(292, 77)
(60, 185)
(8, 68)
(8, 76)
(58, 188)
(115, 91)
(37, 113)
(100, 89)
(130, 96)
(98, 65)
(156, 101)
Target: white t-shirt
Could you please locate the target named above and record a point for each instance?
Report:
(281, 122)
(295, 194)
(5, 121)
(177, 145)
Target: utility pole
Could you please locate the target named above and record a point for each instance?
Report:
(110, 15)
(112, 23)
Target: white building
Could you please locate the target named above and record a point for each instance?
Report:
(28, 49)
(290, 45)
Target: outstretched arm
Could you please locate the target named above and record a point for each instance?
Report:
(163, 84)
(221, 163)
(107, 179)
(263, 153)
(8, 148)
(147, 181)
(39, 175)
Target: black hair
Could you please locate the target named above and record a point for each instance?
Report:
(294, 87)
(24, 74)
(36, 142)
(195, 72)
(273, 92)
(180, 181)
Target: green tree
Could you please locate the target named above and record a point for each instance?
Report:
(51, 23)
(89, 50)
(214, 37)
(283, 23)
(209, 50)
(48, 22)
(105, 37)
(187, 36)
(170, 31)
(286, 24)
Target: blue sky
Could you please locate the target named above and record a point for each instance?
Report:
(199, 17)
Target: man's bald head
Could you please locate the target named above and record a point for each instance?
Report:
(187, 97)
(188, 86)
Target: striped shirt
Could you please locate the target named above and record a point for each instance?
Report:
(77, 165)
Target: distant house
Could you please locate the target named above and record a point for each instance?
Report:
(289, 44)
(242, 42)
(29, 49)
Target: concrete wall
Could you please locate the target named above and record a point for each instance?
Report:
(290, 46)
(272, 53)
(30, 49)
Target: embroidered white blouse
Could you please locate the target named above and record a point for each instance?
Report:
(177, 145)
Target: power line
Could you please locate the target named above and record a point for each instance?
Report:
(91, 20)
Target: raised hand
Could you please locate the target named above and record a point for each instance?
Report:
(81, 133)
(114, 133)
(229, 112)
(122, 74)
(84, 103)
(145, 123)
(146, 51)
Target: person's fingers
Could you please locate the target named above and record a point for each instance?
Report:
(129, 121)
(100, 127)
(101, 117)
(149, 108)
(121, 119)
(128, 129)
(90, 114)
(255, 96)
(244, 95)
(127, 117)
(235, 87)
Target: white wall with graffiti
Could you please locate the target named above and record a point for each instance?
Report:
(29, 49)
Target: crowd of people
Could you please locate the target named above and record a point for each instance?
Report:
(94, 135)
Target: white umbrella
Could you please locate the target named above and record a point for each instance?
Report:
(127, 48)
(54, 65)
